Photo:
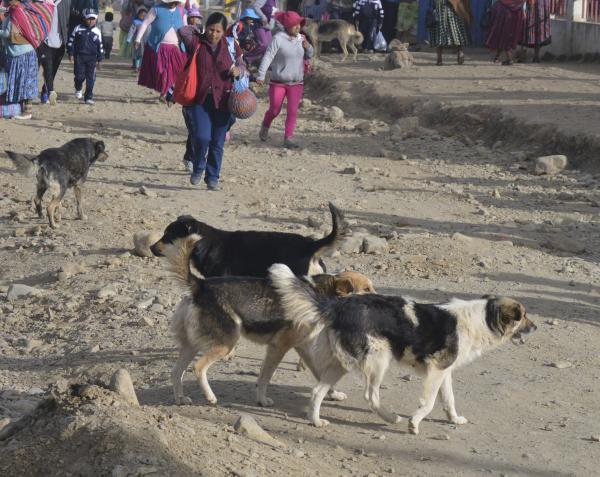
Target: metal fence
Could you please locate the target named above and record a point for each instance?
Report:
(558, 8)
(591, 11)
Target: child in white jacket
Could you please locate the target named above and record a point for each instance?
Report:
(286, 56)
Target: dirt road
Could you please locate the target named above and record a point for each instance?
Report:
(460, 219)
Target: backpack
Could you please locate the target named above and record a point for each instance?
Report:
(33, 20)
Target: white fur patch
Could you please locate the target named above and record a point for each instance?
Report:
(315, 268)
(409, 311)
(474, 335)
(297, 303)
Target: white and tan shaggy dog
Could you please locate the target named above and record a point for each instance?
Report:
(366, 332)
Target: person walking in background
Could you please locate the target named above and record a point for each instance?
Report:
(265, 9)
(138, 53)
(77, 9)
(368, 18)
(52, 50)
(194, 18)
(537, 29)
(506, 29)
(163, 59)
(107, 29)
(244, 32)
(285, 56)
(85, 48)
(20, 65)
(451, 28)
(390, 19)
(219, 61)
(129, 11)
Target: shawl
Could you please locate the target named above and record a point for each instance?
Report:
(463, 9)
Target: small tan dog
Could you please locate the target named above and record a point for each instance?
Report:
(399, 56)
(341, 30)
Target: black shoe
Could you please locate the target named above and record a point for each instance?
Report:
(214, 186)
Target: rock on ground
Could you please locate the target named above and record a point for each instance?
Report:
(246, 425)
(550, 164)
(122, 384)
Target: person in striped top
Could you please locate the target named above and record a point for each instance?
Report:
(368, 18)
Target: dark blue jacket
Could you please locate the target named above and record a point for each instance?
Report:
(86, 41)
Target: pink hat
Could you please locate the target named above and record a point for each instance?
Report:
(289, 19)
(195, 12)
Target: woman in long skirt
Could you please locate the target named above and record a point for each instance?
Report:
(537, 31)
(20, 66)
(163, 60)
(506, 28)
(451, 29)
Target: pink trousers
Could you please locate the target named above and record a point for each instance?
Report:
(277, 93)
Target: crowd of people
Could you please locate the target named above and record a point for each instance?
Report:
(167, 38)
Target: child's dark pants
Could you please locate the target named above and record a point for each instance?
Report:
(85, 70)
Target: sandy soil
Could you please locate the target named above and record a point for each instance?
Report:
(461, 219)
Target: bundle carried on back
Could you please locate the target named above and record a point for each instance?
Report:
(32, 19)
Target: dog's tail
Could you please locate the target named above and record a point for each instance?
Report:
(178, 256)
(26, 164)
(301, 304)
(338, 230)
(357, 38)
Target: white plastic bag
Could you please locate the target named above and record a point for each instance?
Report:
(380, 44)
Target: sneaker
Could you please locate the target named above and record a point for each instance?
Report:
(189, 166)
(91, 102)
(52, 98)
(264, 133)
(79, 94)
(44, 98)
(23, 116)
(196, 178)
(214, 186)
(289, 144)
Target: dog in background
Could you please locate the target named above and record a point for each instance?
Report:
(58, 169)
(221, 309)
(342, 31)
(242, 253)
(368, 331)
(398, 57)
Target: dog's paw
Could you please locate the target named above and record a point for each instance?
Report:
(82, 217)
(459, 420)
(184, 401)
(413, 428)
(397, 419)
(320, 422)
(265, 402)
(337, 396)
(212, 399)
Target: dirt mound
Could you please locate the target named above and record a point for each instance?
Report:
(489, 124)
(87, 430)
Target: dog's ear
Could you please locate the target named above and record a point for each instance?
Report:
(501, 313)
(99, 150)
(512, 310)
(344, 286)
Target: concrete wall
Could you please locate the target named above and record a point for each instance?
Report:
(574, 38)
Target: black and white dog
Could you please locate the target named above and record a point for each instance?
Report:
(58, 169)
(250, 253)
(368, 331)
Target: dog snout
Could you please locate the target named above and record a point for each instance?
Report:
(157, 249)
(528, 326)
